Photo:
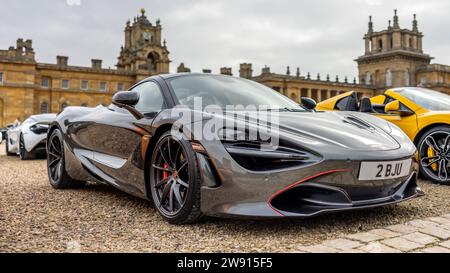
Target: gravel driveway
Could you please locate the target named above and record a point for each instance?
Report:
(98, 218)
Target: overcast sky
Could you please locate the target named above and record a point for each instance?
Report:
(318, 36)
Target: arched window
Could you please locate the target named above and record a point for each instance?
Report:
(152, 59)
(407, 78)
(388, 77)
(368, 79)
(44, 107)
(64, 105)
(391, 43)
(380, 44)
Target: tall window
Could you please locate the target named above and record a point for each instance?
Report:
(1, 77)
(388, 77)
(103, 86)
(84, 85)
(380, 44)
(368, 79)
(45, 82)
(152, 60)
(44, 107)
(407, 78)
(65, 84)
(423, 81)
(120, 87)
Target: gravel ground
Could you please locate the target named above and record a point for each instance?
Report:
(98, 218)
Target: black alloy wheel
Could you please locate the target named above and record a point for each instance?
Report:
(57, 174)
(23, 153)
(434, 155)
(174, 181)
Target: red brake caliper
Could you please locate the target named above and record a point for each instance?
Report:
(165, 174)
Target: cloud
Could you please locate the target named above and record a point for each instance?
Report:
(317, 36)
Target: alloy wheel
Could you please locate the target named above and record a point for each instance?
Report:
(21, 148)
(54, 158)
(435, 155)
(170, 177)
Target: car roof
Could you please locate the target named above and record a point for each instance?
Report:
(186, 74)
(43, 116)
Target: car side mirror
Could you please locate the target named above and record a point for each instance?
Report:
(308, 103)
(127, 100)
(130, 98)
(393, 107)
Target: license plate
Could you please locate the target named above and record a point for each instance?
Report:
(384, 169)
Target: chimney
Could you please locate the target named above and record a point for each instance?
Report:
(265, 70)
(226, 71)
(246, 70)
(62, 60)
(96, 63)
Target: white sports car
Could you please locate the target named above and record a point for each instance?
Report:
(29, 138)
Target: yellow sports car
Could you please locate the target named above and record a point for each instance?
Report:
(423, 114)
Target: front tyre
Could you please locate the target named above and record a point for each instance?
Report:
(8, 153)
(23, 153)
(56, 168)
(434, 155)
(175, 180)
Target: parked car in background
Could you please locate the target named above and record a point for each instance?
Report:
(3, 132)
(423, 114)
(29, 138)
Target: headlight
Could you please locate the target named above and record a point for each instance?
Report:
(39, 129)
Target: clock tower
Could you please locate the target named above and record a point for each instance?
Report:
(144, 51)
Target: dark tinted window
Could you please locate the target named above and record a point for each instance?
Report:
(342, 104)
(150, 98)
(225, 91)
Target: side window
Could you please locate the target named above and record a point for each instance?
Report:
(388, 100)
(150, 98)
(342, 104)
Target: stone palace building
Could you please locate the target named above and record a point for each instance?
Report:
(393, 57)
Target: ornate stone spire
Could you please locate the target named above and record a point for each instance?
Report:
(288, 71)
(370, 25)
(389, 24)
(415, 25)
(318, 76)
(328, 77)
(396, 24)
(298, 72)
(337, 78)
(143, 19)
(308, 77)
